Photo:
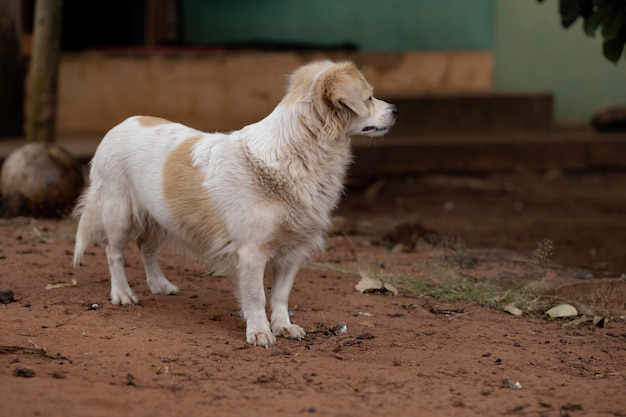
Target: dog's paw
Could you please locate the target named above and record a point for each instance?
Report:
(126, 298)
(261, 338)
(162, 286)
(290, 331)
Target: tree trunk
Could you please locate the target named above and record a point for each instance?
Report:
(43, 73)
(11, 73)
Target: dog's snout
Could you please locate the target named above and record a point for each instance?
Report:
(394, 109)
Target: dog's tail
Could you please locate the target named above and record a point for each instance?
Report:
(90, 227)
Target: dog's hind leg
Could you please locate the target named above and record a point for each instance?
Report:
(117, 221)
(148, 246)
(282, 282)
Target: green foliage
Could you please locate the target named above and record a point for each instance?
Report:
(607, 15)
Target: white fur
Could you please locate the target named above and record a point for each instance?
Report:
(254, 198)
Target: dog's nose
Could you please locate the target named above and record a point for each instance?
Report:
(394, 109)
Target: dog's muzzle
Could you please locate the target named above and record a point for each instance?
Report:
(394, 114)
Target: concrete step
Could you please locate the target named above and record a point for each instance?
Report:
(554, 149)
(472, 113)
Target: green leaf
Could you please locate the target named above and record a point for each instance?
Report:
(586, 8)
(612, 23)
(593, 22)
(612, 48)
(570, 10)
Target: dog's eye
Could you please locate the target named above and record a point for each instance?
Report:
(370, 99)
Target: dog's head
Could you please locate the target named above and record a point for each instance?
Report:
(341, 99)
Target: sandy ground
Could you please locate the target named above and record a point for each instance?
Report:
(65, 351)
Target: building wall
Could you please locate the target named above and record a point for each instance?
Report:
(371, 25)
(225, 91)
(430, 46)
(534, 53)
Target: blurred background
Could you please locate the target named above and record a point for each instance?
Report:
(481, 72)
(497, 141)
(218, 65)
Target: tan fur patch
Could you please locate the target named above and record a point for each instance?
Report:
(271, 181)
(189, 202)
(148, 121)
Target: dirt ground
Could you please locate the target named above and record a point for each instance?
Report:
(65, 351)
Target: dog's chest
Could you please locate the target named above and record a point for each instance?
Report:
(305, 187)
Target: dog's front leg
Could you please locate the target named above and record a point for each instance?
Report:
(251, 295)
(282, 282)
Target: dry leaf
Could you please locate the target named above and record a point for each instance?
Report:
(390, 288)
(371, 285)
(512, 309)
(367, 284)
(578, 322)
(562, 310)
(600, 321)
(56, 285)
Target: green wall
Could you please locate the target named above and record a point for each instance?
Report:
(534, 53)
(372, 25)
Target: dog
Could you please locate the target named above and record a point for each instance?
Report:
(249, 200)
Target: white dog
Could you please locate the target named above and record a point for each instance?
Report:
(254, 198)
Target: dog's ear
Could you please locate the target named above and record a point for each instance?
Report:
(341, 87)
(355, 103)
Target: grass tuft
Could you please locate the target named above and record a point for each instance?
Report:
(444, 276)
